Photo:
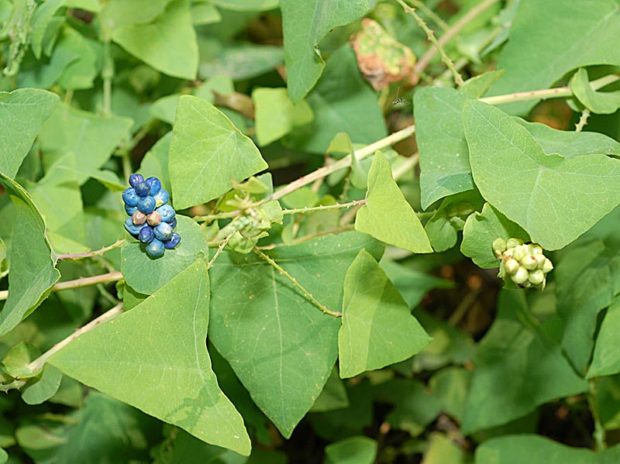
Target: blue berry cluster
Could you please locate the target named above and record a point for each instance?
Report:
(151, 219)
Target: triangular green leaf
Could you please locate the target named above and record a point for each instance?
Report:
(538, 54)
(154, 357)
(305, 24)
(280, 345)
(606, 358)
(32, 274)
(597, 102)
(535, 449)
(86, 137)
(22, 113)
(168, 42)
(387, 216)
(354, 450)
(377, 326)
(554, 199)
(208, 154)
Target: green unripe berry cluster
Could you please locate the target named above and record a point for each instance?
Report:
(524, 264)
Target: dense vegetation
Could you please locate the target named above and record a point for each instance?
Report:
(342, 231)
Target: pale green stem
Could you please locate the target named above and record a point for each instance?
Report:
(78, 283)
(91, 254)
(297, 285)
(324, 207)
(430, 34)
(583, 120)
(599, 431)
(449, 35)
(38, 363)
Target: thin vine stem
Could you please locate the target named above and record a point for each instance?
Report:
(360, 154)
(78, 283)
(38, 363)
(402, 134)
(437, 46)
(297, 285)
(583, 120)
(599, 431)
(91, 254)
(449, 35)
(219, 250)
(420, 5)
(313, 209)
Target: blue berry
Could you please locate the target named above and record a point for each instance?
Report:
(161, 198)
(130, 209)
(142, 189)
(132, 228)
(163, 231)
(130, 197)
(135, 179)
(173, 223)
(146, 235)
(173, 242)
(154, 185)
(146, 205)
(166, 212)
(155, 249)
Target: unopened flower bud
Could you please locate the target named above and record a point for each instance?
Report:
(537, 250)
(540, 261)
(520, 252)
(511, 265)
(529, 262)
(547, 266)
(513, 242)
(537, 277)
(499, 246)
(520, 276)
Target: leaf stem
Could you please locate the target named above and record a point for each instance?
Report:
(599, 431)
(583, 120)
(218, 252)
(324, 207)
(213, 217)
(543, 94)
(294, 281)
(410, 130)
(78, 283)
(38, 363)
(91, 254)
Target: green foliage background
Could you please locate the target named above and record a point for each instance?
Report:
(335, 296)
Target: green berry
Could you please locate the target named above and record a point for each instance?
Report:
(499, 246)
